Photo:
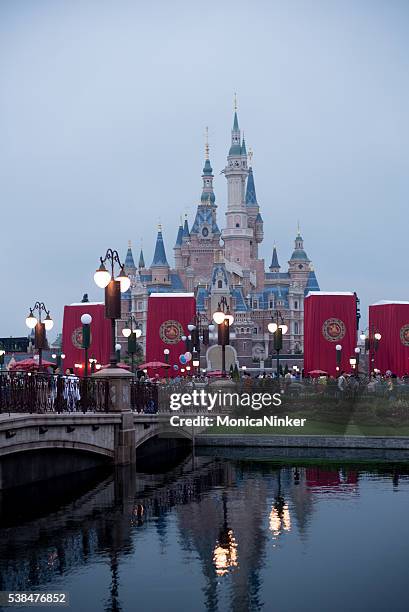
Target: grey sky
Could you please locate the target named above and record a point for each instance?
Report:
(103, 107)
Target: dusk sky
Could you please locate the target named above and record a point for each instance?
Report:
(103, 108)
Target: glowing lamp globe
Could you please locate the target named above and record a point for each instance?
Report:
(117, 347)
(272, 327)
(230, 318)
(124, 280)
(338, 347)
(218, 317)
(138, 332)
(31, 321)
(377, 336)
(191, 327)
(86, 319)
(362, 336)
(102, 277)
(284, 328)
(126, 332)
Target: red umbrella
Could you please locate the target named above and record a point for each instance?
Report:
(154, 365)
(317, 373)
(214, 373)
(30, 364)
(124, 366)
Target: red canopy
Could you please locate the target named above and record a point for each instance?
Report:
(30, 364)
(318, 373)
(124, 366)
(154, 365)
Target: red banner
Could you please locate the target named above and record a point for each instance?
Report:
(391, 320)
(329, 320)
(72, 336)
(169, 314)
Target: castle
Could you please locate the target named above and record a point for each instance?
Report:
(216, 263)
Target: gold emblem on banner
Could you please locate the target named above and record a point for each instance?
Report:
(76, 337)
(333, 330)
(171, 332)
(404, 334)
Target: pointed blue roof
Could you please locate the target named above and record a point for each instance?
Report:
(235, 122)
(179, 236)
(207, 170)
(186, 234)
(274, 260)
(251, 198)
(312, 283)
(141, 263)
(243, 147)
(159, 258)
(129, 262)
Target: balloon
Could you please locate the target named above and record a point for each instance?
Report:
(182, 359)
(175, 367)
(188, 356)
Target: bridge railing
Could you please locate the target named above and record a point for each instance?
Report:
(39, 393)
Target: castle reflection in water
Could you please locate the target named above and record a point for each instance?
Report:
(228, 515)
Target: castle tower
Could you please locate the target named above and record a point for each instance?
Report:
(141, 263)
(237, 235)
(274, 266)
(255, 220)
(177, 249)
(160, 266)
(130, 267)
(299, 264)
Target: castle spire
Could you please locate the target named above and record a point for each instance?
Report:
(186, 233)
(159, 258)
(274, 266)
(235, 148)
(251, 198)
(129, 261)
(141, 263)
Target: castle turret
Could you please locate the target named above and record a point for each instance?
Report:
(274, 266)
(160, 266)
(130, 267)
(141, 263)
(177, 249)
(299, 264)
(237, 235)
(205, 224)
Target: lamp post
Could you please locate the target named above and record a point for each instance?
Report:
(224, 320)
(357, 352)
(352, 363)
(118, 352)
(59, 357)
(40, 327)
(199, 331)
(86, 321)
(2, 353)
(132, 334)
(166, 352)
(92, 362)
(371, 339)
(278, 328)
(113, 286)
(338, 353)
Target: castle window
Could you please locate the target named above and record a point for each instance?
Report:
(255, 330)
(237, 224)
(296, 327)
(296, 305)
(219, 284)
(255, 304)
(270, 304)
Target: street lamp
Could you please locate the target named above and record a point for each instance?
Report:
(40, 335)
(338, 352)
(371, 339)
(166, 352)
(113, 286)
(118, 352)
(352, 362)
(224, 320)
(86, 321)
(132, 334)
(93, 362)
(278, 329)
(59, 358)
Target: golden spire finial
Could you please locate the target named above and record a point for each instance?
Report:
(250, 156)
(235, 102)
(207, 143)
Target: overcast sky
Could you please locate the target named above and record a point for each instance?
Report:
(103, 108)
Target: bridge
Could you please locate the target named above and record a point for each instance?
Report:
(113, 436)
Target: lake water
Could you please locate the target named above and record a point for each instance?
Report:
(214, 534)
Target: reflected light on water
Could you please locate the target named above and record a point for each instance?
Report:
(225, 554)
(279, 520)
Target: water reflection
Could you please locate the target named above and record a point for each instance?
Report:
(207, 534)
